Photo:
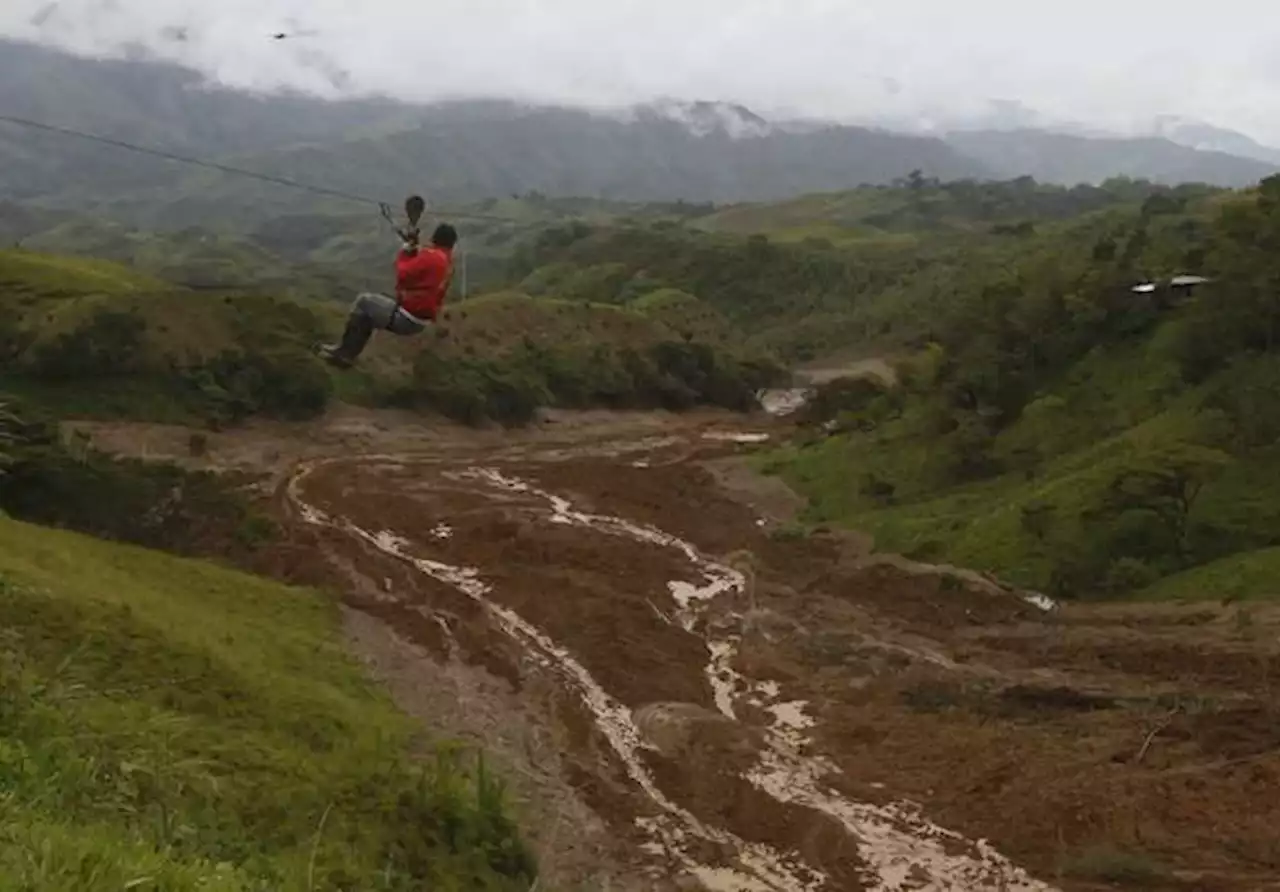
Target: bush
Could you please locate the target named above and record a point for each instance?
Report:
(154, 505)
(286, 383)
(474, 391)
(510, 388)
(1248, 392)
(879, 490)
(833, 398)
(106, 347)
(1130, 574)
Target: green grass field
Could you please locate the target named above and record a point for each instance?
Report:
(168, 725)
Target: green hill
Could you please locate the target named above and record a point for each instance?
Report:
(1071, 434)
(97, 339)
(917, 206)
(823, 275)
(170, 724)
(104, 339)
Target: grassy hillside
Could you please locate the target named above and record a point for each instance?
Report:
(505, 354)
(916, 207)
(1075, 436)
(104, 339)
(825, 274)
(172, 725)
(94, 338)
(328, 252)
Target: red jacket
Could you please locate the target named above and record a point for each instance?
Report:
(422, 279)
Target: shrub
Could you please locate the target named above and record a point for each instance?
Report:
(473, 391)
(155, 505)
(1130, 574)
(833, 398)
(287, 383)
(106, 347)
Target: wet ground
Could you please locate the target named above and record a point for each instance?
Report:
(686, 695)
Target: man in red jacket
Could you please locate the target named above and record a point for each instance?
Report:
(422, 280)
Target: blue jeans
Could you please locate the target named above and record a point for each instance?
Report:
(369, 313)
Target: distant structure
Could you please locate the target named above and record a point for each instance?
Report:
(1181, 286)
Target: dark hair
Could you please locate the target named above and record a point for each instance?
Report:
(445, 236)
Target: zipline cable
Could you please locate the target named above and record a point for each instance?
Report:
(239, 171)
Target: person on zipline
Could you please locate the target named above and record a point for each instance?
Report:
(422, 280)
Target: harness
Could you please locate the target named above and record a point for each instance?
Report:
(401, 311)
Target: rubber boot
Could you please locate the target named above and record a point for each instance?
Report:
(354, 338)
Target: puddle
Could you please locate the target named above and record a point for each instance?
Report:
(1044, 602)
(784, 402)
(731, 437)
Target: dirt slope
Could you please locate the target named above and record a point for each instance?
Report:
(681, 695)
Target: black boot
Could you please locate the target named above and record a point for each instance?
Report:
(358, 331)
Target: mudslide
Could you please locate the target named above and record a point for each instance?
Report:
(688, 694)
(642, 630)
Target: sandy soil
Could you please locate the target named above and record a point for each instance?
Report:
(685, 695)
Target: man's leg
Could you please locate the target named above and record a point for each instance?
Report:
(368, 313)
(404, 325)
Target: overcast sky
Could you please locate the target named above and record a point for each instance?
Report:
(1106, 62)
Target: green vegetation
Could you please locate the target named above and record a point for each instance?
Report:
(93, 339)
(508, 354)
(904, 255)
(99, 339)
(1068, 433)
(916, 206)
(1052, 425)
(171, 725)
(68, 484)
(1108, 864)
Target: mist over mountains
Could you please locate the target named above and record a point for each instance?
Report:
(466, 151)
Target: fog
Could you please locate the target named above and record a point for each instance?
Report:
(1114, 64)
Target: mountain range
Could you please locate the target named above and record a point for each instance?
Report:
(467, 151)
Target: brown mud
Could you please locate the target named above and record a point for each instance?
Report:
(679, 695)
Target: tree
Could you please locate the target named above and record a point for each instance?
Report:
(1037, 520)
(1165, 483)
(108, 345)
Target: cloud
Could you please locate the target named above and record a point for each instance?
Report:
(1108, 62)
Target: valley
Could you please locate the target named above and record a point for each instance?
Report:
(775, 506)
(683, 688)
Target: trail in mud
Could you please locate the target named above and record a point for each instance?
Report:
(572, 587)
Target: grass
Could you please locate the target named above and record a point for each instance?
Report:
(69, 276)
(95, 339)
(149, 399)
(1254, 575)
(92, 339)
(977, 524)
(495, 323)
(1113, 405)
(1108, 864)
(168, 724)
